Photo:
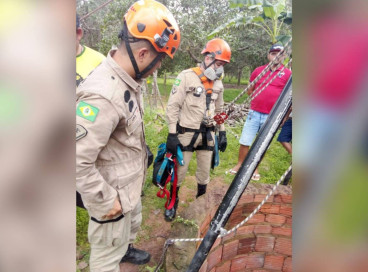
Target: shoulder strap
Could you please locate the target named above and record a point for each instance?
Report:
(208, 84)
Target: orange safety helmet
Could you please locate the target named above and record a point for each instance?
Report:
(151, 20)
(219, 49)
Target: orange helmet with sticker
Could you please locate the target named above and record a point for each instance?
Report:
(219, 49)
(151, 20)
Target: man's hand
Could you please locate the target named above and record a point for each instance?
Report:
(172, 143)
(116, 210)
(222, 144)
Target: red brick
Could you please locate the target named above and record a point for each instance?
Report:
(289, 221)
(206, 222)
(204, 231)
(246, 199)
(214, 258)
(246, 245)
(238, 264)
(238, 211)
(287, 265)
(233, 222)
(203, 267)
(244, 230)
(277, 199)
(255, 261)
(283, 246)
(249, 208)
(275, 219)
(228, 237)
(259, 198)
(282, 231)
(230, 250)
(216, 243)
(224, 267)
(262, 229)
(270, 208)
(265, 243)
(260, 270)
(257, 218)
(286, 210)
(287, 198)
(274, 262)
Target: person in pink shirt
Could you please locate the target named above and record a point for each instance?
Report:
(262, 104)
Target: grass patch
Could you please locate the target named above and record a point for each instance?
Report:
(229, 93)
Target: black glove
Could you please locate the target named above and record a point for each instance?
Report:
(222, 144)
(172, 143)
(150, 156)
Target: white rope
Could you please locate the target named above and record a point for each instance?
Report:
(265, 70)
(260, 205)
(224, 231)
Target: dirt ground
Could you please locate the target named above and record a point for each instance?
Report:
(234, 86)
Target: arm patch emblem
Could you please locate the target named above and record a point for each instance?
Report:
(80, 132)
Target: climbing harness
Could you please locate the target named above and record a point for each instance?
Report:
(165, 171)
(205, 129)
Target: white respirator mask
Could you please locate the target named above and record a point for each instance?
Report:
(211, 73)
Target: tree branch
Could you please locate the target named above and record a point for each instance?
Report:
(193, 57)
(242, 48)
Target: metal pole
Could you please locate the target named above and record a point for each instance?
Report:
(241, 180)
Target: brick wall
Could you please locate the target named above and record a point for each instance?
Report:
(262, 244)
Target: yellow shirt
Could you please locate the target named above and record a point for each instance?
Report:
(87, 60)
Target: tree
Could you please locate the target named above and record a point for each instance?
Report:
(270, 17)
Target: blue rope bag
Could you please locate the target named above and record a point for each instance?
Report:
(164, 171)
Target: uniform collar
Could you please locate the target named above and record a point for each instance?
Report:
(135, 85)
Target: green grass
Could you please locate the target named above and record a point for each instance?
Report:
(229, 93)
(273, 165)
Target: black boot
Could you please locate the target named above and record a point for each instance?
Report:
(135, 256)
(201, 189)
(170, 214)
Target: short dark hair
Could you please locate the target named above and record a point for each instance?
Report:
(132, 40)
(78, 21)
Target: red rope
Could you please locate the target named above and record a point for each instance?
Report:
(164, 192)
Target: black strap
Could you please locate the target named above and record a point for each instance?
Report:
(206, 137)
(138, 74)
(182, 130)
(125, 36)
(204, 64)
(108, 221)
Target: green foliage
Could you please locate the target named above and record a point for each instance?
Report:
(186, 222)
(82, 227)
(274, 163)
(196, 20)
(230, 94)
(270, 17)
(151, 269)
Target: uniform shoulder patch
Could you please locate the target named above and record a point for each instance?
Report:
(87, 111)
(80, 132)
(174, 90)
(177, 82)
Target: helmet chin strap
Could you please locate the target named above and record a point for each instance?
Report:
(138, 74)
(205, 66)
